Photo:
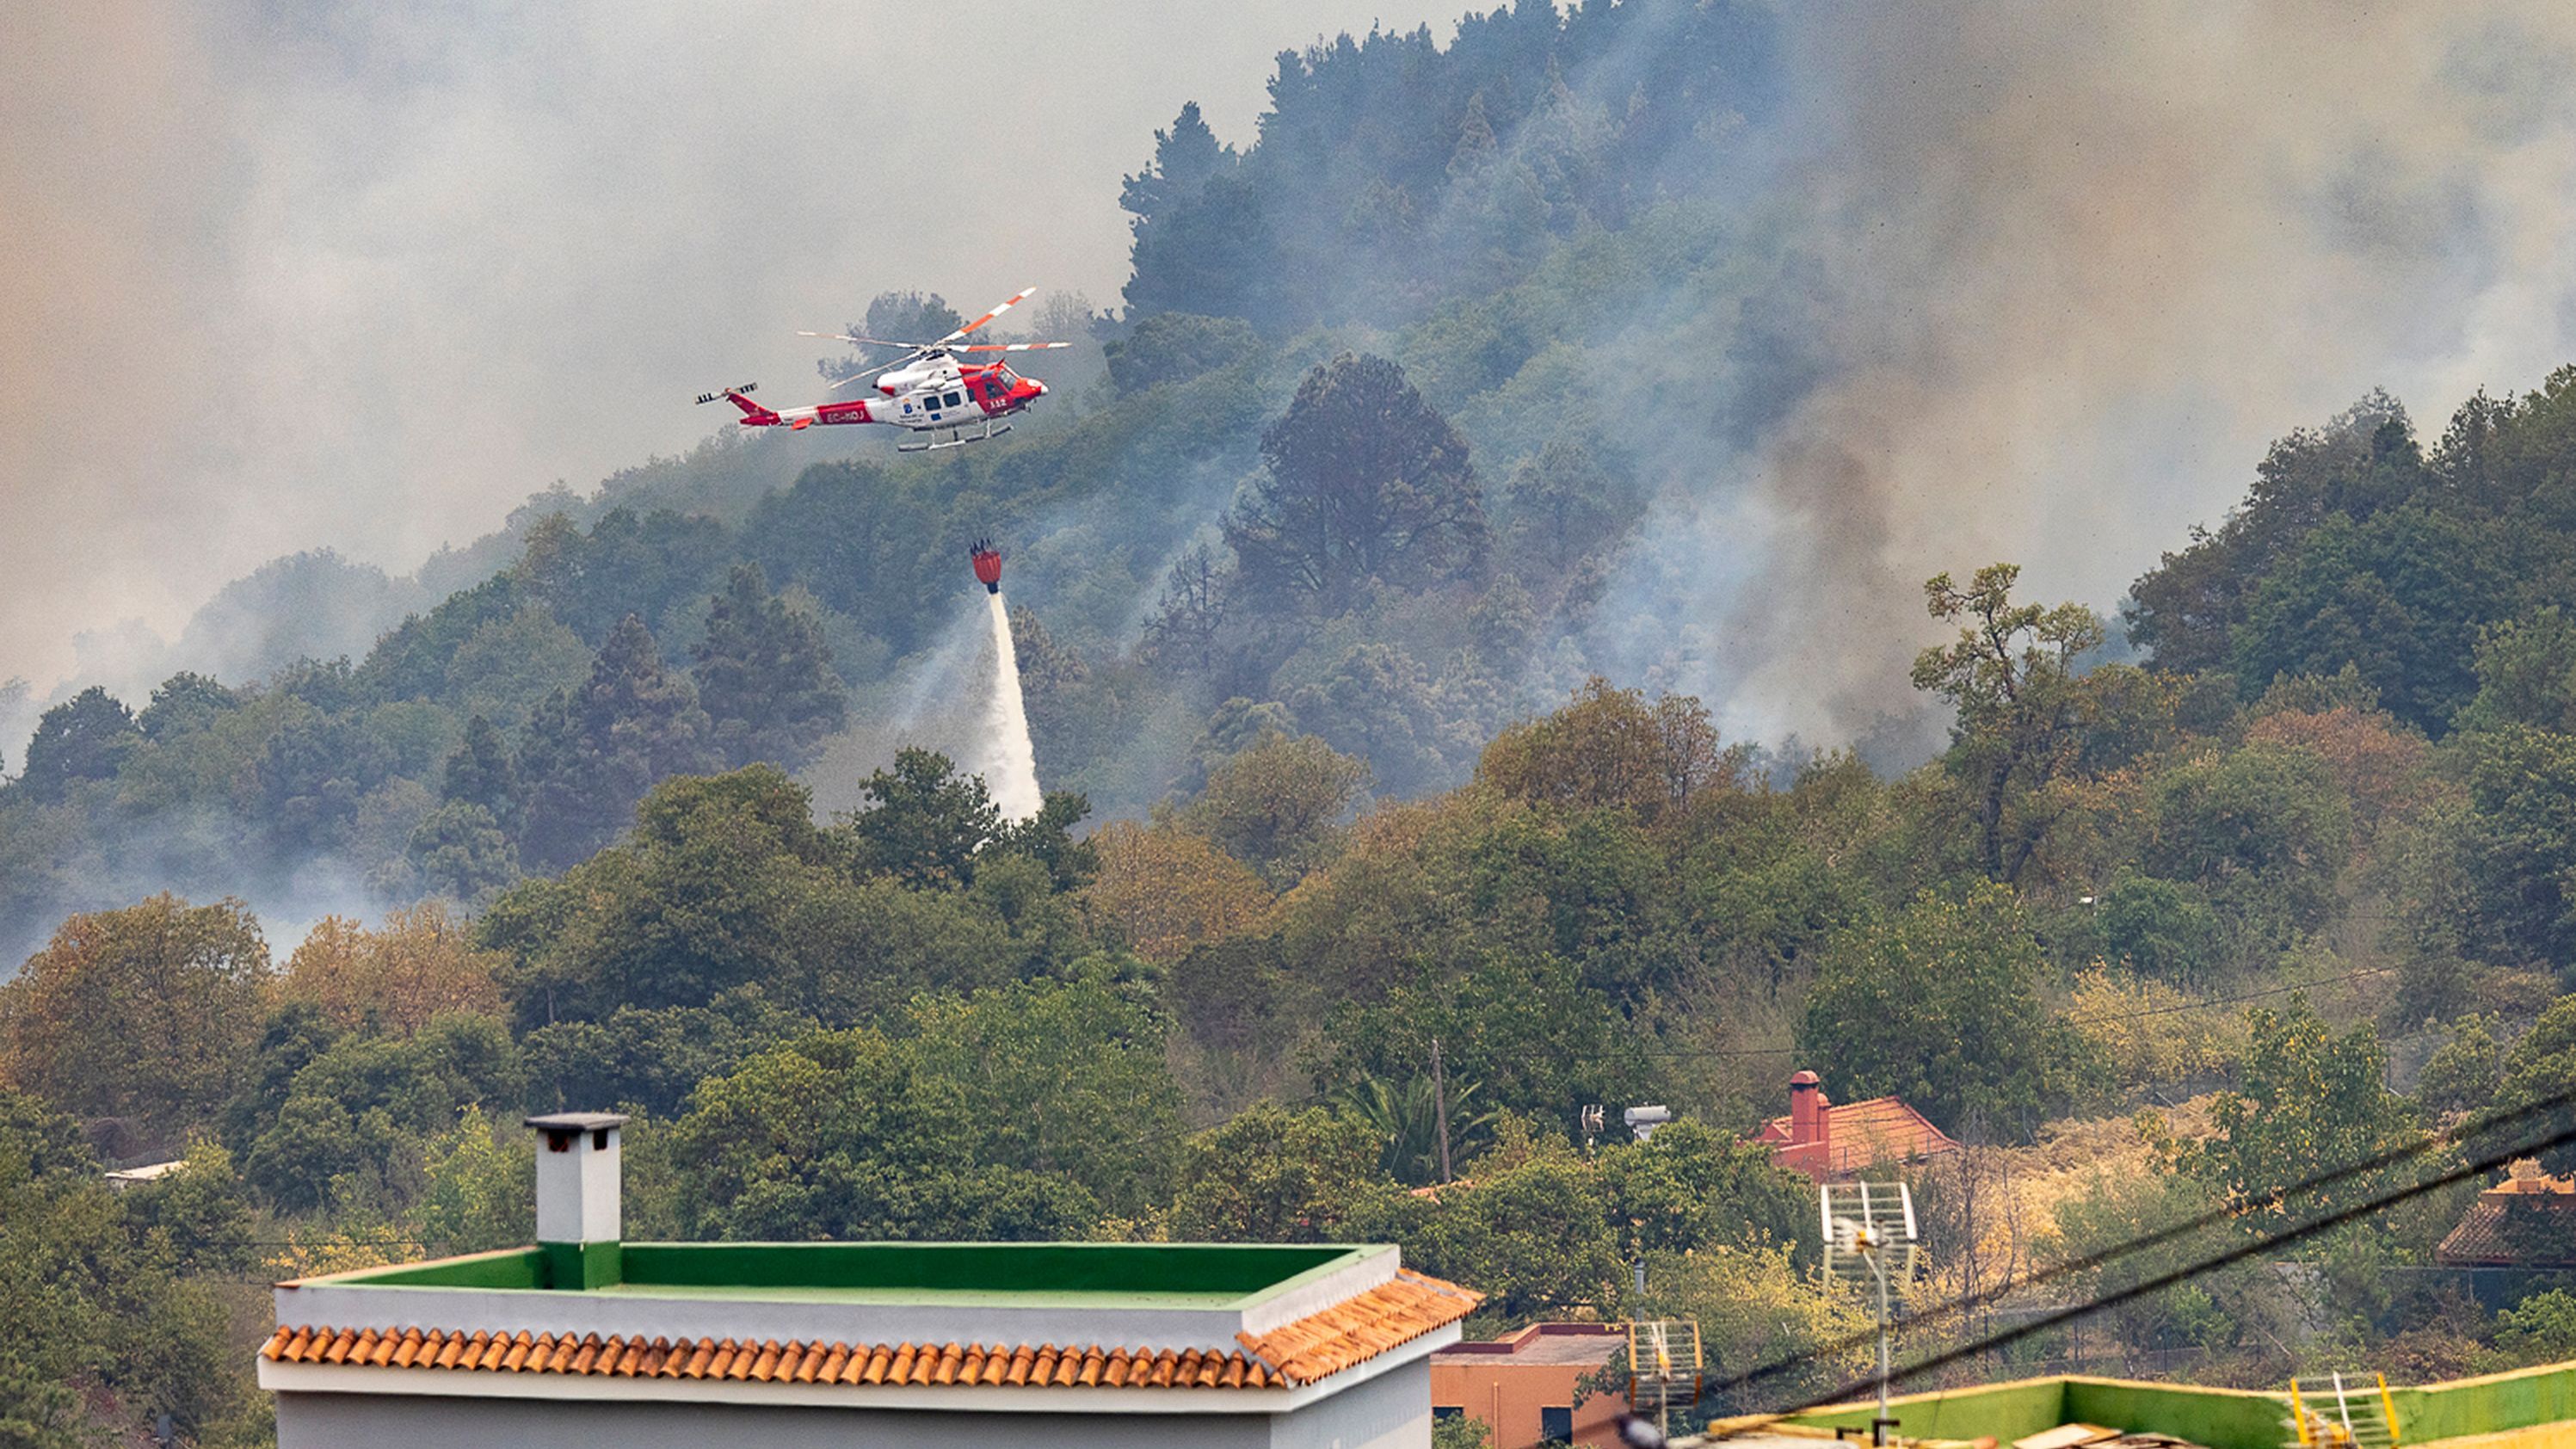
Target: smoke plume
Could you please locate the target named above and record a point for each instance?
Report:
(364, 276)
(2076, 265)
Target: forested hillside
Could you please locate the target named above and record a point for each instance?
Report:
(1191, 543)
(1349, 754)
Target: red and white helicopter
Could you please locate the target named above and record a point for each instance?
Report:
(928, 390)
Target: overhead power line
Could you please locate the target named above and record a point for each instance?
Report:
(2165, 1010)
(2465, 1131)
(2482, 1164)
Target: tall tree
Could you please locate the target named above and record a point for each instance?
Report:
(481, 772)
(1271, 1175)
(463, 853)
(1941, 1005)
(2186, 609)
(1610, 748)
(147, 1012)
(925, 821)
(1175, 347)
(1276, 805)
(1184, 158)
(1365, 483)
(84, 738)
(1565, 503)
(2312, 1103)
(765, 676)
(420, 965)
(590, 756)
(185, 701)
(2011, 677)
(897, 317)
(1182, 635)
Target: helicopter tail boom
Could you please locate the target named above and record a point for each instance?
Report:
(752, 412)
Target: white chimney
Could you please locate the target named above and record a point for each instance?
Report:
(578, 1223)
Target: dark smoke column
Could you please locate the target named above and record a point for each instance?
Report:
(988, 564)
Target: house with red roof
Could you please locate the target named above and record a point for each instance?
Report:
(2526, 1221)
(1826, 1140)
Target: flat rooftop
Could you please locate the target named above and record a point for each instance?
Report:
(670, 1319)
(1021, 1275)
(1540, 1343)
(2217, 1417)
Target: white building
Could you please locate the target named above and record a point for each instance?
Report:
(584, 1339)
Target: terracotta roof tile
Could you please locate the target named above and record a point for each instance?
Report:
(2506, 1230)
(1359, 1329)
(1314, 1347)
(1880, 1129)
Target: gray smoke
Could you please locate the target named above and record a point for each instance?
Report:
(364, 276)
(2080, 262)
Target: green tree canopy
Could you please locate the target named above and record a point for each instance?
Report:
(590, 755)
(1365, 483)
(924, 821)
(481, 772)
(2312, 1103)
(1175, 347)
(1010, 1114)
(2020, 705)
(1940, 1004)
(1277, 804)
(148, 1012)
(1272, 1175)
(87, 737)
(765, 676)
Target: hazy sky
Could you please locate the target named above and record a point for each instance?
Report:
(2076, 265)
(366, 276)
(282, 276)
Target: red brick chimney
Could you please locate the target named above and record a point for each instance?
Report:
(1809, 1121)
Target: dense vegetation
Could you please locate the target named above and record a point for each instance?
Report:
(1319, 566)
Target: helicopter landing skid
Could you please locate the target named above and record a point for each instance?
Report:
(955, 438)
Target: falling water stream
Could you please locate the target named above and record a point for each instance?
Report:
(1012, 772)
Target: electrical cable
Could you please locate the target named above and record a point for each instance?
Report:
(2262, 1243)
(2167, 1010)
(1969, 1303)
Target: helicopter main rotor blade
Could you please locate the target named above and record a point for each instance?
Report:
(1010, 347)
(1024, 294)
(864, 341)
(912, 356)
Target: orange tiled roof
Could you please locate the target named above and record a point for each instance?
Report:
(1297, 1353)
(2485, 1237)
(1864, 1134)
(1358, 1329)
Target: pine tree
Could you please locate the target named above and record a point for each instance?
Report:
(1184, 158)
(1366, 483)
(1476, 147)
(765, 676)
(591, 755)
(481, 772)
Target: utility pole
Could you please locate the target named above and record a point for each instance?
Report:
(1440, 1107)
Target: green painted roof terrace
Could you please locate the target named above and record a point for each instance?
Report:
(1100, 1275)
(2216, 1417)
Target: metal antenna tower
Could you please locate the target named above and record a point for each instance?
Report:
(1871, 1223)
